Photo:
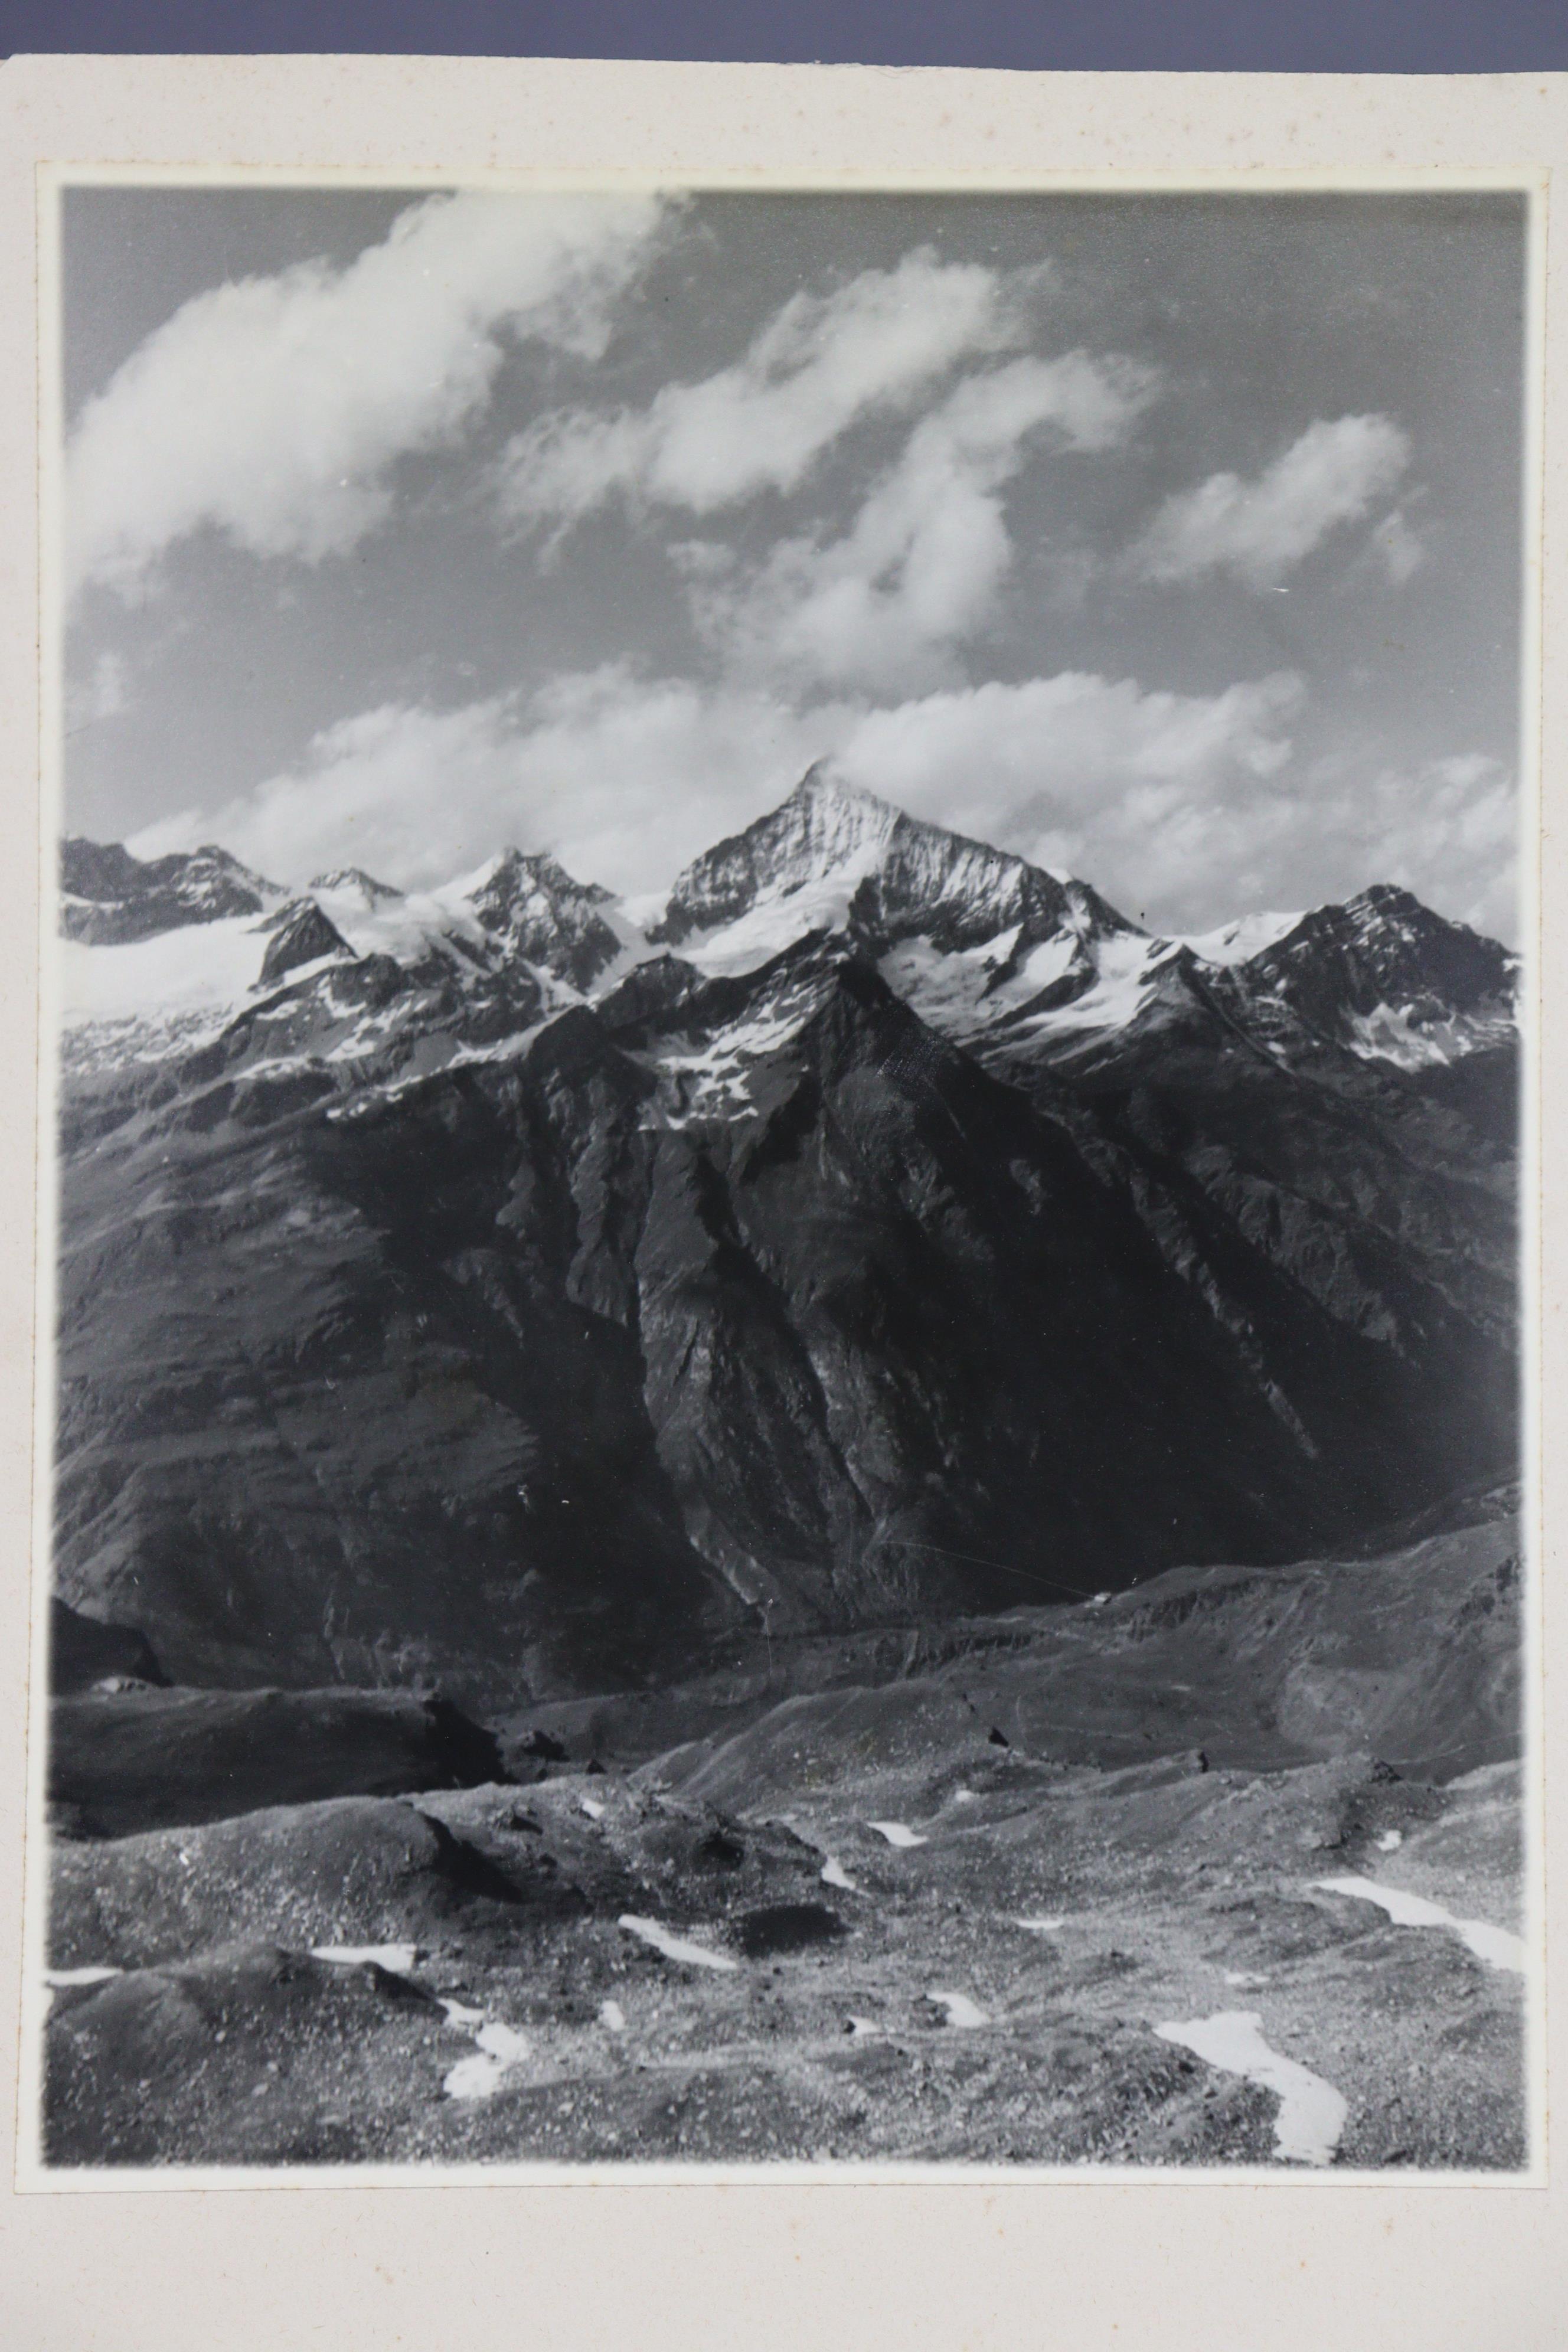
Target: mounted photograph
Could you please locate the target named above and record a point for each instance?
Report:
(784, 1323)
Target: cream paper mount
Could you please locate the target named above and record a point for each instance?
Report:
(810, 525)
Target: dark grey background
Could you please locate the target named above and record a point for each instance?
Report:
(1212, 35)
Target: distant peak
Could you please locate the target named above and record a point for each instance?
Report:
(1383, 905)
(301, 934)
(533, 909)
(112, 896)
(512, 868)
(354, 877)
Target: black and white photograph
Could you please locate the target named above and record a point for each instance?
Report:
(787, 1334)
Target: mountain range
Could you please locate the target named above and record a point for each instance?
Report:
(514, 1286)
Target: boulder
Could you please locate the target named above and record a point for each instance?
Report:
(355, 1871)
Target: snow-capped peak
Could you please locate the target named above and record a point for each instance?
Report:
(814, 849)
(532, 905)
(839, 823)
(1389, 978)
(1013, 961)
(833, 856)
(967, 934)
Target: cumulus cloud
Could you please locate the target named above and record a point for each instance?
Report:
(1446, 828)
(272, 409)
(1261, 530)
(1188, 810)
(921, 567)
(1399, 550)
(624, 780)
(105, 693)
(1153, 796)
(822, 363)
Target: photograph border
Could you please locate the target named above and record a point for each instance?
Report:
(32, 2173)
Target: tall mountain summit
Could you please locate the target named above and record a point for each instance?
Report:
(480, 1284)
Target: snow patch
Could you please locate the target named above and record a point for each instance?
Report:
(961, 2010)
(833, 1874)
(1403, 1035)
(898, 1833)
(201, 973)
(770, 927)
(1495, 1946)
(707, 1076)
(499, 2049)
(1311, 2112)
(1240, 942)
(956, 991)
(56, 1979)
(673, 1948)
(1128, 967)
(397, 1959)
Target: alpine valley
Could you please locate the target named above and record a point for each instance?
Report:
(870, 1332)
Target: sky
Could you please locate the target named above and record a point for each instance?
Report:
(1169, 540)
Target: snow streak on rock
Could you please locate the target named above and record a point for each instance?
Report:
(674, 1948)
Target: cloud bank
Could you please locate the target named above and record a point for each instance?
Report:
(1260, 531)
(272, 409)
(1184, 810)
(1176, 805)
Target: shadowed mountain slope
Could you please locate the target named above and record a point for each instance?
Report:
(502, 1294)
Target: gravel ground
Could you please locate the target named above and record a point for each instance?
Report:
(1175, 1893)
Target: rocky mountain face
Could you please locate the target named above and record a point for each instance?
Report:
(107, 897)
(1391, 979)
(478, 1286)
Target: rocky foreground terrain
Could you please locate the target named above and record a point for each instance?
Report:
(1225, 1870)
